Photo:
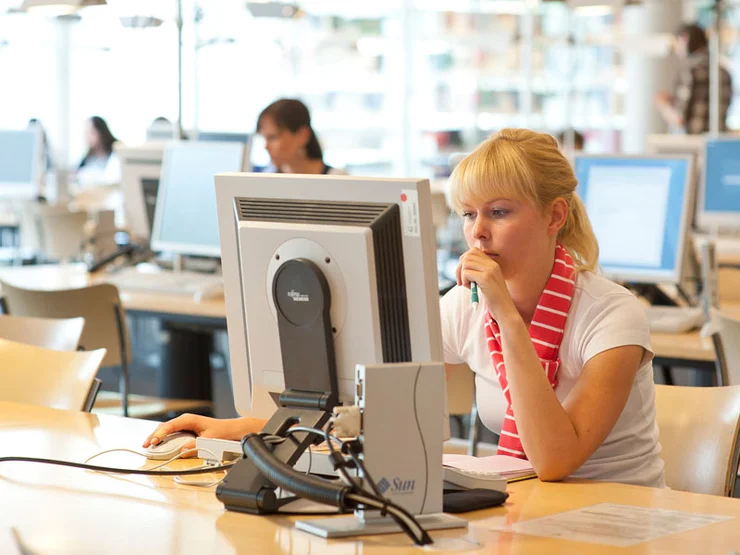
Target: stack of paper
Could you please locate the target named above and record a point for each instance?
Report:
(509, 468)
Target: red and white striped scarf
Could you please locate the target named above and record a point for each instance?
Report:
(546, 332)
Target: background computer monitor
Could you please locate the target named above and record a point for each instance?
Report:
(222, 137)
(185, 220)
(640, 208)
(267, 219)
(21, 164)
(719, 197)
(140, 171)
(692, 145)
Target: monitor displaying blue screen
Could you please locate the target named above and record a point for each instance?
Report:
(639, 209)
(19, 163)
(721, 187)
(185, 220)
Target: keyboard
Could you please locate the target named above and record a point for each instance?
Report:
(190, 284)
(674, 319)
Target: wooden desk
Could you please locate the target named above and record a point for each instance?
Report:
(56, 509)
(67, 276)
(688, 349)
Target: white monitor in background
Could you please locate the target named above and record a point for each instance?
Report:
(22, 164)
(719, 198)
(373, 242)
(140, 172)
(185, 220)
(692, 145)
(640, 209)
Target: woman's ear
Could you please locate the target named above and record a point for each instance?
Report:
(304, 135)
(558, 215)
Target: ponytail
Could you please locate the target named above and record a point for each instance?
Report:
(313, 147)
(578, 238)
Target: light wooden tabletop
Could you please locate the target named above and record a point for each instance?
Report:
(63, 510)
(68, 276)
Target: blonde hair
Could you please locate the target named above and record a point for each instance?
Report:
(519, 163)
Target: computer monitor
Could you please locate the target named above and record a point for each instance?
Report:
(719, 198)
(140, 170)
(222, 137)
(185, 219)
(640, 209)
(21, 163)
(373, 242)
(691, 145)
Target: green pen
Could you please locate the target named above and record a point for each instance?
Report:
(474, 293)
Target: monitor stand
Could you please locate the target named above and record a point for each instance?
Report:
(302, 301)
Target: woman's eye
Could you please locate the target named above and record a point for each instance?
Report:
(467, 215)
(498, 212)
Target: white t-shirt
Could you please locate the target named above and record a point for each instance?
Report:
(602, 316)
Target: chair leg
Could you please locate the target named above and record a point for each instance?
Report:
(92, 395)
(123, 387)
(124, 382)
(473, 431)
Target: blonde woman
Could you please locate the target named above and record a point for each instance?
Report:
(561, 355)
(588, 410)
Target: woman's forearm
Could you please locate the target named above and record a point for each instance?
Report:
(545, 429)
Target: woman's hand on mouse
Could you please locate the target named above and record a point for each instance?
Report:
(203, 426)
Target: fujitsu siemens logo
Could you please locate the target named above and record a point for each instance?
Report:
(298, 297)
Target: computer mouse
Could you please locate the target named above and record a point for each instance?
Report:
(170, 446)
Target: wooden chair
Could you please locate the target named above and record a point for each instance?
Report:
(62, 231)
(728, 348)
(58, 334)
(56, 379)
(699, 428)
(461, 403)
(100, 306)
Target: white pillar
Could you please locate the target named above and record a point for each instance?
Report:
(646, 74)
(64, 85)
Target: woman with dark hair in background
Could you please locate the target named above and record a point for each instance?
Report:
(290, 140)
(687, 109)
(100, 166)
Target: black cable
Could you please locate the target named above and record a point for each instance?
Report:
(283, 475)
(340, 466)
(356, 492)
(111, 470)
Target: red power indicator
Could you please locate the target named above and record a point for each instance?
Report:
(404, 198)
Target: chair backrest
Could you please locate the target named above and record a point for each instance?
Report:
(728, 280)
(460, 390)
(729, 332)
(62, 232)
(38, 376)
(100, 306)
(28, 224)
(699, 435)
(59, 334)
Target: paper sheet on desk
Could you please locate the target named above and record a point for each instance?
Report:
(508, 467)
(614, 525)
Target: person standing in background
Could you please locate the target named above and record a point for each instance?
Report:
(687, 109)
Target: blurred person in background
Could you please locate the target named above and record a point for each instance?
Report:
(100, 166)
(687, 109)
(290, 140)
